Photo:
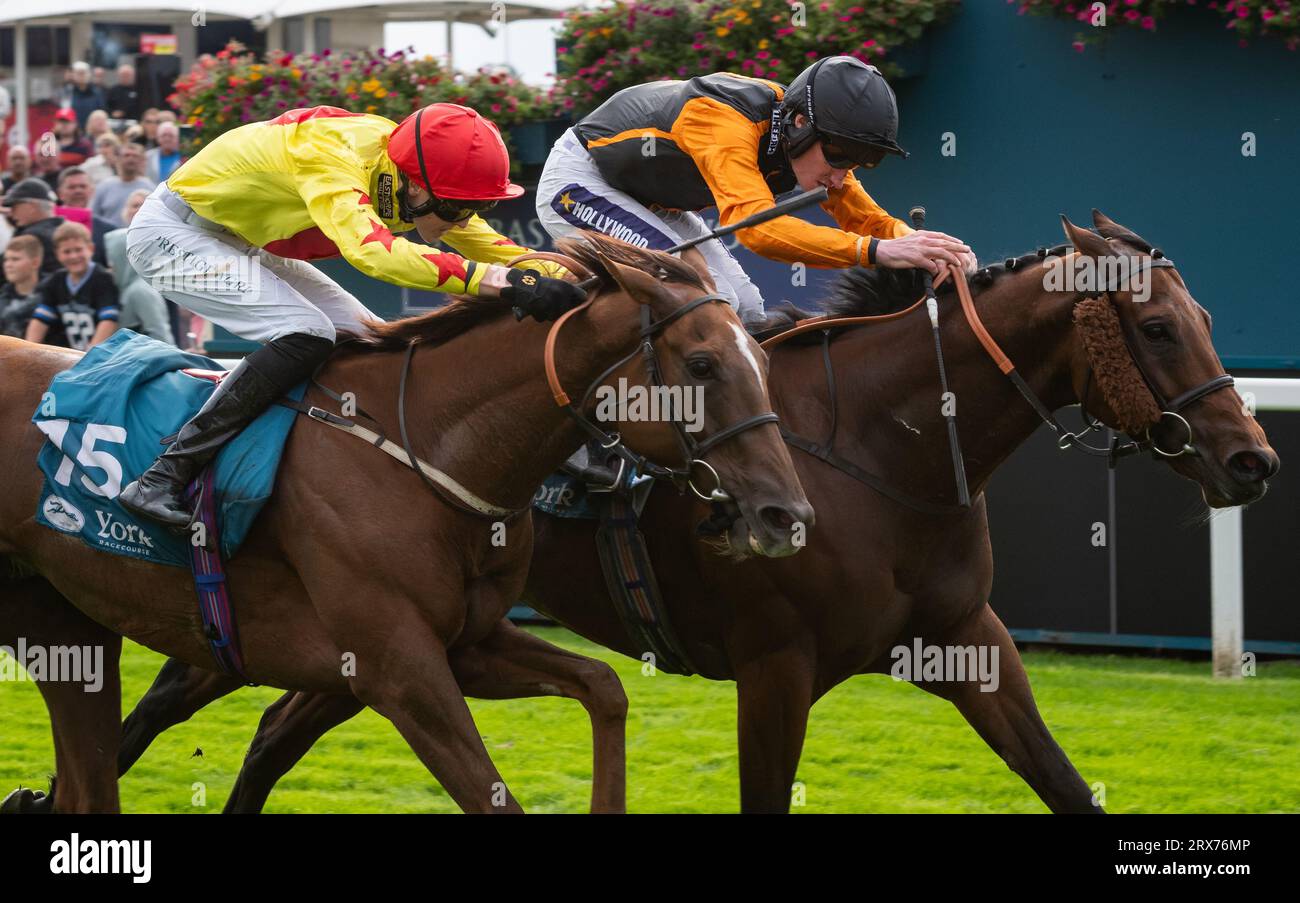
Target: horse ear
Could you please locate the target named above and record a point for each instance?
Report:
(697, 262)
(1111, 229)
(640, 286)
(1104, 222)
(1084, 242)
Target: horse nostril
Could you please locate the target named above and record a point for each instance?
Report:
(1252, 467)
(783, 520)
(777, 518)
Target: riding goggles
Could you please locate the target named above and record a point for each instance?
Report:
(452, 211)
(842, 153)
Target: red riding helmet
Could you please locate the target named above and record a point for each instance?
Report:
(454, 153)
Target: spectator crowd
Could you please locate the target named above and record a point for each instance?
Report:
(67, 200)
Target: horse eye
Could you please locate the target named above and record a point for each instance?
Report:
(701, 368)
(1156, 332)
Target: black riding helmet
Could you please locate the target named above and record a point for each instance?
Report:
(849, 107)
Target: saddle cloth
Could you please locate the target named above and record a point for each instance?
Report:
(104, 420)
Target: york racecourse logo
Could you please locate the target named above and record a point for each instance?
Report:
(103, 857)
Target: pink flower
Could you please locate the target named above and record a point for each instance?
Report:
(1149, 23)
(1078, 46)
(1131, 14)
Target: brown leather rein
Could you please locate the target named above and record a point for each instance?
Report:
(693, 451)
(1065, 439)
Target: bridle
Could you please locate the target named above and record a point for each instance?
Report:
(1169, 409)
(693, 450)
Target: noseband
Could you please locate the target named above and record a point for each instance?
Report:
(1170, 409)
(693, 451)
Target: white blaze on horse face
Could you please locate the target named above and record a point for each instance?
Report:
(744, 343)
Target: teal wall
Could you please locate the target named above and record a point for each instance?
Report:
(1146, 127)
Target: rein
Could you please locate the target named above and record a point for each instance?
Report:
(693, 451)
(1065, 439)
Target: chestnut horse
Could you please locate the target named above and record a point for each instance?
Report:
(352, 582)
(877, 573)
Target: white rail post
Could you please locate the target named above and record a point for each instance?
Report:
(1226, 593)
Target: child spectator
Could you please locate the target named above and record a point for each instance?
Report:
(78, 306)
(18, 296)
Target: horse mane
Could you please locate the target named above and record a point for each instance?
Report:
(464, 312)
(867, 292)
(596, 251)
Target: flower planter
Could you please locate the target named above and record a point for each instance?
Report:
(532, 141)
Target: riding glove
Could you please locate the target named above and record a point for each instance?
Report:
(541, 297)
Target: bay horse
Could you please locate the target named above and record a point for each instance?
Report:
(352, 583)
(877, 573)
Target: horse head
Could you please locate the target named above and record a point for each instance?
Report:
(1151, 369)
(732, 451)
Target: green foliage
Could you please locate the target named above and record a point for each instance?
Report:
(601, 51)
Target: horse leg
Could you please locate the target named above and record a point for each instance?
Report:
(288, 729)
(177, 692)
(774, 692)
(403, 673)
(510, 663)
(1008, 718)
(84, 718)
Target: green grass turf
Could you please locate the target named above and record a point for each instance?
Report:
(1161, 735)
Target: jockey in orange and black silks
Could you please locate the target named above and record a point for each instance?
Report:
(310, 184)
(642, 164)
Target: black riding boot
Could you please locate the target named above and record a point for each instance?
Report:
(248, 390)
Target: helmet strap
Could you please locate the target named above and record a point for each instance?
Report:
(799, 139)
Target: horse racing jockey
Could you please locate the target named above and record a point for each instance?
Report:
(642, 163)
(229, 233)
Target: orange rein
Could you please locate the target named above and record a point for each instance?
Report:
(967, 305)
(552, 377)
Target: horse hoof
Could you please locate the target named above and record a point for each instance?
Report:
(24, 801)
(21, 802)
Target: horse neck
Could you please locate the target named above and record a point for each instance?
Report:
(479, 406)
(1035, 330)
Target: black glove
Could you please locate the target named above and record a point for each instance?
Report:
(540, 297)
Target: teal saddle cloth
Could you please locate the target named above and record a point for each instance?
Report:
(104, 420)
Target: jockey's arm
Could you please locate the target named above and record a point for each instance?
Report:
(333, 182)
(857, 212)
(479, 241)
(724, 145)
